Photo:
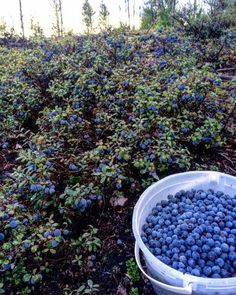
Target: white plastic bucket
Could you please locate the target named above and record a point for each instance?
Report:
(166, 280)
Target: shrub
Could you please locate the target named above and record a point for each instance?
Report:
(86, 119)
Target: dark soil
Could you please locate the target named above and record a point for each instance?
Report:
(110, 272)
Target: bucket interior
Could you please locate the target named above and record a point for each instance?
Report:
(159, 191)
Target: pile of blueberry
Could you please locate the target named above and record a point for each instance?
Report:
(195, 233)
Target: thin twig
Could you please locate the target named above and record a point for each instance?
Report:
(226, 69)
(224, 156)
(232, 169)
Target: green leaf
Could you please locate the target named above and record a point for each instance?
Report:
(81, 288)
(26, 277)
(34, 249)
(126, 157)
(90, 283)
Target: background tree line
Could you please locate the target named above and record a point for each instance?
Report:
(203, 18)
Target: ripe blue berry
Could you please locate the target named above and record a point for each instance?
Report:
(54, 243)
(57, 232)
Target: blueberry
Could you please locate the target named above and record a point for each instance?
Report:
(175, 265)
(216, 276)
(63, 122)
(119, 242)
(33, 187)
(144, 239)
(26, 245)
(32, 281)
(220, 262)
(191, 262)
(90, 264)
(225, 248)
(36, 217)
(73, 167)
(219, 193)
(195, 272)
(195, 255)
(46, 234)
(54, 243)
(57, 232)
(218, 250)
(13, 223)
(232, 256)
(157, 251)
(210, 242)
(230, 241)
(6, 266)
(154, 234)
(182, 259)
(201, 263)
(190, 241)
(168, 240)
(216, 269)
(205, 248)
(224, 273)
(2, 236)
(207, 271)
(212, 255)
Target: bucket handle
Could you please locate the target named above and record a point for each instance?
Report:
(175, 290)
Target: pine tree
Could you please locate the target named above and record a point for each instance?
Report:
(88, 14)
(103, 16)
(160, 11)
(149, 14)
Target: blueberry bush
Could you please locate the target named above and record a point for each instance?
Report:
(87, 119)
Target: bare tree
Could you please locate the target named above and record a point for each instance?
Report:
(58, 26)
(61, 17)
(127, 7)
(119, 14)
(134, 9)
(134, 12)
(21, 20)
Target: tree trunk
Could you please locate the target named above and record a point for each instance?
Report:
(61, 17)
(152, 12)
(56, 10)
(173, 10)
(21, 20)
(134, 13)
(128, 10)
(195, 7)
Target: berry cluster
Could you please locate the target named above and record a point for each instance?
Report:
(194, 232)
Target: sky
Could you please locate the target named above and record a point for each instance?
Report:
(42, 12)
